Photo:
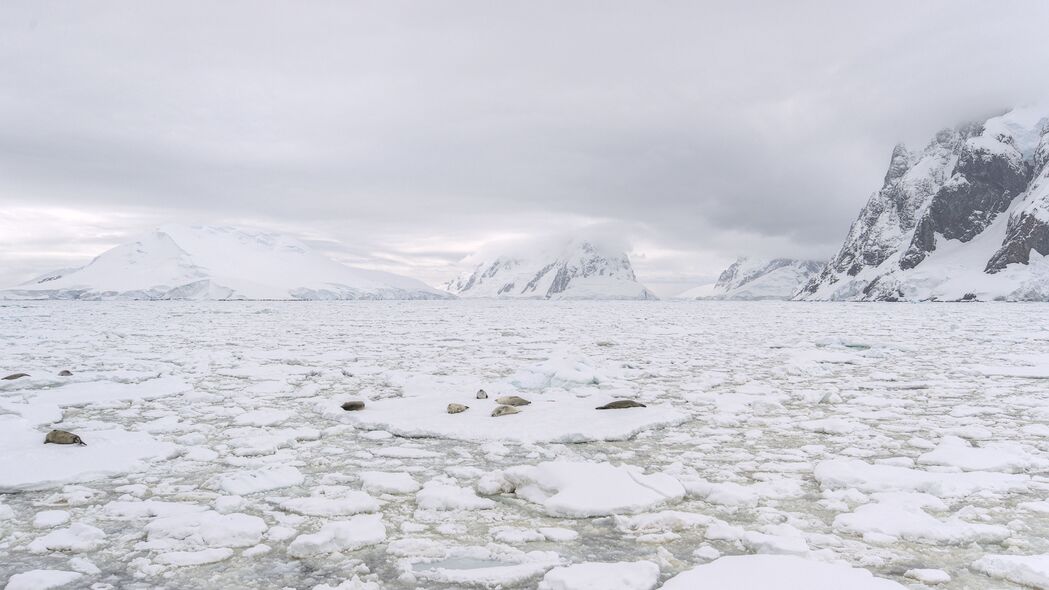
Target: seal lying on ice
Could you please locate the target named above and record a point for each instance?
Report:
(512, 400)
(61, 437)
(482, 394)
(353, 406)
(621, 404)
(14, 376)
(504, 410)
(457, 408)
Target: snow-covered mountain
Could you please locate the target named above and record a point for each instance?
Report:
(966, 218)
(580, 269)
(204, 262)
(752, 280)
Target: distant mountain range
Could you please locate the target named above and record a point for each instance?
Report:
(754, 280)
(965, 218)
(578, 269)
(214, 263)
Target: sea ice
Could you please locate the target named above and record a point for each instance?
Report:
(783, 572)
(575, 490)
(637, 575)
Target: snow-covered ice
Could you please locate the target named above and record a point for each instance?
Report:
(783, 572)
(880, 446)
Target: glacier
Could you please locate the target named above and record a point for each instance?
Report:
(218, 263)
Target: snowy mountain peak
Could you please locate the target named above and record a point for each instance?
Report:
(755, 279)
(212, 262)
(966, 218)
(578, 269)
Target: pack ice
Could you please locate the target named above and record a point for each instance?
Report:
(772, 445)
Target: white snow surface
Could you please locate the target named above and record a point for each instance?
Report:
(782, 572)
(218, 262)
(904, 441)
(637, 575)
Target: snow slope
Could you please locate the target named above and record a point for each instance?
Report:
(205, 262)
(967, 218)
(752, 280)
(578, 269)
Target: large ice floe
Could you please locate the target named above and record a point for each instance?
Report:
(782, 572)
(781, 446)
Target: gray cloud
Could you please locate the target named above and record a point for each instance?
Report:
(403, 135)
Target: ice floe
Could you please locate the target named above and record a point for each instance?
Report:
(571, 489)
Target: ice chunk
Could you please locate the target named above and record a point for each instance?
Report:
(271, 477)
(573, 489)
(1026, 570)
(956, 452)
(348, 503)
(201, 557)
(636, 575)
(349, 535)
(379, 482)
(782, 572)
(208, 528)
(77, 538)
(41, 580)
(46, 519)
(441, 494)
(851, 473)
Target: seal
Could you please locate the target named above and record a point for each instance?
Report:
(504, 410)
(65, 373)
(353, 406)
(481, 394)
(457, 408)
(14, 376)
(512, 400)
(621, 404)
(61, 437)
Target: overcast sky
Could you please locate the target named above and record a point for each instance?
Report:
(405, 135)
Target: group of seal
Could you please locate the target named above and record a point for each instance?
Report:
(13, 376)
(61, 437)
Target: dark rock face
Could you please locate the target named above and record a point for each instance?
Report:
(956, 189)
(983, 186)
(1025, 233)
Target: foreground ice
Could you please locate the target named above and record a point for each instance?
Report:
(580, 490)
(880, 445)
(782, 572)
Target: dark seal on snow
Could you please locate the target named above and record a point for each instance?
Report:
(61, 437)
(621, 404)
(512, 400)
(65, 373)
(14, 376)
(482, 394)
(353, 406)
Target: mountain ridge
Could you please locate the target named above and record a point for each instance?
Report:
(579, 269)
(965, 218)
